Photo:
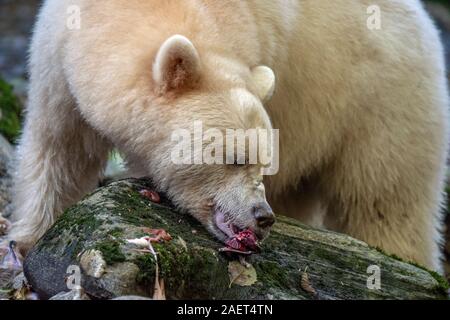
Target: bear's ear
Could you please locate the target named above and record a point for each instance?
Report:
(264, 81)
(177, 64)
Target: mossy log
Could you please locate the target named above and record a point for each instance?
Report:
(296, 262)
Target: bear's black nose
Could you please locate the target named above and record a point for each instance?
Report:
(265, 218)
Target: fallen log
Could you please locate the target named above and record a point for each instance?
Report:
(296, 262)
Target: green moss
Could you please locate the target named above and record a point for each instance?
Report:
(173, 264)
(72, 230)
(391, 255)
(81, 225)
(443, 285)
(10, 112)
(146, 265)
(111, 251)
(81, 219)
(116, 232)
(195, 271)
(271, 273)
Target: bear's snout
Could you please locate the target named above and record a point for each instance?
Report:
(265, 218)
(259, 218)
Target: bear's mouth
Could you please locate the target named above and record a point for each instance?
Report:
(224, 224)
(237, 240)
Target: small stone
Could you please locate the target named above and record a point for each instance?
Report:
(76, 294)
(19, 281)
(130, 298)
(93, 263)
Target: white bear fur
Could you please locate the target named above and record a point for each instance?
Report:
(363, 114)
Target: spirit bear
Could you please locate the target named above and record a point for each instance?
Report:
(362, 113)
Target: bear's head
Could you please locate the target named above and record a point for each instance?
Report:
(203, 106)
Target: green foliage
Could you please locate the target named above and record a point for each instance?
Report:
(10, 112)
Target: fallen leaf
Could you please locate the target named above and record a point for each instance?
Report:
(24, 292)
(21, 294)
(241, 275)
(306, 285)
(160, 291)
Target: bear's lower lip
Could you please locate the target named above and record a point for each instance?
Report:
(223, 224)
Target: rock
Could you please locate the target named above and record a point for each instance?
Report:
(71, 295)
(10, 271)
(19, 281)
(191, 267)
(130, 298)
(93, 263)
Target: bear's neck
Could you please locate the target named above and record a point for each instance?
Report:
(229, 29)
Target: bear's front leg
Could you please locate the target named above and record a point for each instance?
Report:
(60, 158)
